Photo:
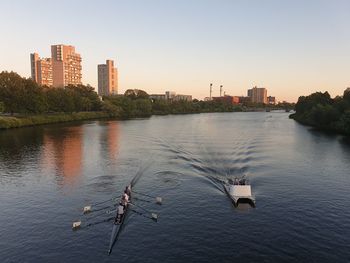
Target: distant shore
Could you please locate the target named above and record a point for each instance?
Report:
(17, 121)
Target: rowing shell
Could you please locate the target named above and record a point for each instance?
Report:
(117, 227)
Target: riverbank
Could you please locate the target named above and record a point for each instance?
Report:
(324, 113)
(17, 121)
(340, 127)
(8, 122)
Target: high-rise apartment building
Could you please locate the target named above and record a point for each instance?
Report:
(107, 79)
(66, 65)
(34, 57)
(41, 70)
(62, 69)
(258, 95)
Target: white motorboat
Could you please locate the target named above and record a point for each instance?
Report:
(239, 191)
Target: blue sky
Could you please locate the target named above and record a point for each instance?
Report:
(292, 48)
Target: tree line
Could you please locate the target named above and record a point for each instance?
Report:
(137, 103)
(24, 96)
(322, 111)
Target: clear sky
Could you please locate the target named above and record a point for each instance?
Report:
(291, 47)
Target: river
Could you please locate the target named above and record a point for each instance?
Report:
(300, 179)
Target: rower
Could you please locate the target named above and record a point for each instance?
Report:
(120, 212)
(126, 197)
(124, 200)
(128, 190)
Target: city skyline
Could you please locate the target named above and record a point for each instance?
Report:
(291, 48)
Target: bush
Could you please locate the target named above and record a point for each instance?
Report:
(2, 107)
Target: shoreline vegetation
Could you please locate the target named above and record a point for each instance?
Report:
(8, 122)
(320, 111)
(24, 103)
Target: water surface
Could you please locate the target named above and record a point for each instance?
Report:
(300, 178)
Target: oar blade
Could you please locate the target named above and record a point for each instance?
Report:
(159, 200)
(76, 225)
(87, 209)
(154, 216)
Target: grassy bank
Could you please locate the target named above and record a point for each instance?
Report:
(7, 122)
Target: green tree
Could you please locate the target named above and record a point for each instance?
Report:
(60, 100)
(346, 95)
(85, 98)
(111, 109)
(160, 107)
(126, 105)
(2, 107)
(305, 104)
(324, 115)
(143, 107)
(34, 100)
(11, 91)
(136, 94)
(343, 125)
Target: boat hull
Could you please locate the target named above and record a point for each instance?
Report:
(236, 200)
(117, 227)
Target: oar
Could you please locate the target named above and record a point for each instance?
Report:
(154, 216)
(143, 194)
(89, 208)
(158, 198)
(108, 212)
(142, 200)
(79, 225)
(105, 201)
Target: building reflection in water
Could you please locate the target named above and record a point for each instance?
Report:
(63, 153)
(112, 141)
(65, 149)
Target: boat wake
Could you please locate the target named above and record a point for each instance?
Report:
(207, 159)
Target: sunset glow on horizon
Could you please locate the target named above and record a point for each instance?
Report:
(292, 48)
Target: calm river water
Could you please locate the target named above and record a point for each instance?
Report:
(300, 178)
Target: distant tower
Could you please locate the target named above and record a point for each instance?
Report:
(107, 76)
(220, 90)
(211, 90)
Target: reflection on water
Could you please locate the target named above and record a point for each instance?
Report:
(62, 153)
(109, 141)
(58, 150)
